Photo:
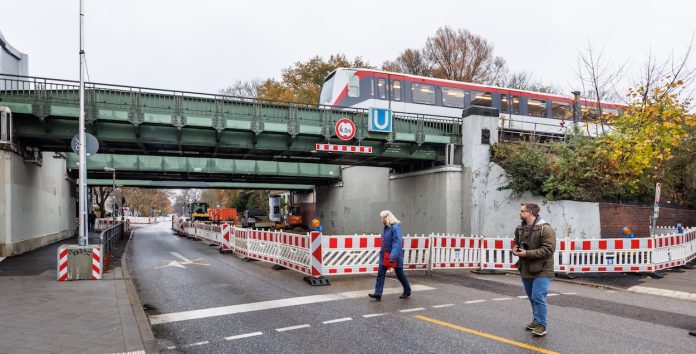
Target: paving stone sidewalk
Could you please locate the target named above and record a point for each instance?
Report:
(39, 314)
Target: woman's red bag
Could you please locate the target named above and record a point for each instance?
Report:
(387, 262)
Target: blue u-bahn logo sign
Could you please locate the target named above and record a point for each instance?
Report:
(380, 120)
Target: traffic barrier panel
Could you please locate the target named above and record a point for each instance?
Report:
(606, 255)
(496, 253)
(79, 262)
(227, 238)
(349, 254)
(455, 251)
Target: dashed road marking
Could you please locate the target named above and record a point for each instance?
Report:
(272, 304)
(374, 315)
(292, 328)
(502, 298)
(413, 309)
(197, 344)
(338, 320)
(171, 348)
(441, 306)
(245, 335)
(474, 301)
(610, 291)
(522, 297)
(552, 294)
(569, 293)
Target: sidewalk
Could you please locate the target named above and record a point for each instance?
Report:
(39, 314)
(677, 284)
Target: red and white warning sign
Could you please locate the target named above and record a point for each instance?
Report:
(345, 129)
(344, 148)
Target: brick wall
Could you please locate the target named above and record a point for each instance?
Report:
(613, 218)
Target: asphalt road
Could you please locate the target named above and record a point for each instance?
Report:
(249, 307)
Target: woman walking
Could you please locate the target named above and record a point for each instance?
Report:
(391, 255)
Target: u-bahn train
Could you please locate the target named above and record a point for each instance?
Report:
(523, 110)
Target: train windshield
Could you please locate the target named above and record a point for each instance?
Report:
(327, 89)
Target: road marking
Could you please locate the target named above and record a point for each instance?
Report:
(552, 294)
(611, 291)
(292, 327)
(195, 344)
(413, 309)
(522, 297)
(502, 298)
(272, 304)
(181, 264)
(338, 320)
(474, 301)
(486, 335)
(569, 293)
(441, 306)
(245, 335)
(374, 315)
(171, 348)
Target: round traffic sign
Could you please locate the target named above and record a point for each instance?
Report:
(345, 129)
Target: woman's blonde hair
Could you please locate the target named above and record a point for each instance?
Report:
(389, 218)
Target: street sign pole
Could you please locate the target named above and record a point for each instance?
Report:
(83, 239)
(656, 207)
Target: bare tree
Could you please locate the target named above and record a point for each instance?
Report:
(598, 78)
(463, 56)
(411, 61)
(523, 80)
(674, 69)
(99, 195)
(249, 89)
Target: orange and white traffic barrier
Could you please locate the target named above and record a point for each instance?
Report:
(227, 239)
(349, 254)
(670, 251)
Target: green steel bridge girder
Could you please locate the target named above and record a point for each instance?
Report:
(204, 170)
(133, 120)
(196, 184)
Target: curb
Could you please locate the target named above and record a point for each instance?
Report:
(149, 342)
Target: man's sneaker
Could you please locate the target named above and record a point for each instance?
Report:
(539, 331)
(531, 325)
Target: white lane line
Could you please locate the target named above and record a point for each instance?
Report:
(171, 348)
(413, 309)
(552, 294)
(195, 344)
(501, 298)
(245, 335)
(292, 327)
(522, 297)
(177, 255)
(338, 320)
(569, 293)
(272, 304)
(441, 306)
(610, 291)
(374, 315)
(474, 301)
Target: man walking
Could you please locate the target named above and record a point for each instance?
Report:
(535, 243)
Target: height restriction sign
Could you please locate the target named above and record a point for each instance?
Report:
(345, 129)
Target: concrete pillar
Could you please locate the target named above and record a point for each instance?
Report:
(479, 132)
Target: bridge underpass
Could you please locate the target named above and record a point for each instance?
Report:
(142, 121)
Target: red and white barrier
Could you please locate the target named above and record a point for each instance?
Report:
(63, 264)
(319, 255)
(90, 268)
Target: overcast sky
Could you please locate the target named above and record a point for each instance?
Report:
(206, 45)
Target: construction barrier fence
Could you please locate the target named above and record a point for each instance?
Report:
(316, 255)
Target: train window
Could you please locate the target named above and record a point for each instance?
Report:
(536, 108)
(423, 93)
(515, 104)
(561, 110)
(479, 98)
(382, 89)
(354, 86)
(452, 97)
(503, 103)
(396, 90)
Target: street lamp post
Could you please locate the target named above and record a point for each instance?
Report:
(113, 192)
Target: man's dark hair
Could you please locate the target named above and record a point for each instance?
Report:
(533, 208)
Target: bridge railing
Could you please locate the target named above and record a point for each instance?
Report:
(256, 114)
